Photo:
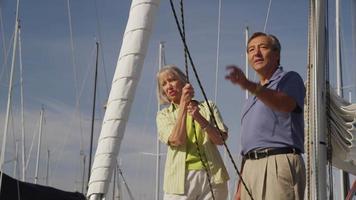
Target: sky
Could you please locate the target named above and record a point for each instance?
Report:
(58, 74)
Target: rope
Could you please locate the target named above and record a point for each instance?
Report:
(205, 166)
(185, 49)
(328, 123)
(308, 128)
(205, 97)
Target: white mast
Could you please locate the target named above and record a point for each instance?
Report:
(127, 73)
(319, 87)
(47, 167)
(23, 139)
(9, 96)
(16, 158)
(161, 63)
(338, 49)
(39, 145)
(217, 54)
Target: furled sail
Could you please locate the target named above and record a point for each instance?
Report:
(342, 119)
(127, 73)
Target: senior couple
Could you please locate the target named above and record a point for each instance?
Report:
(272, 132)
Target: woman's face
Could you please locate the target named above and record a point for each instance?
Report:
(171, 86)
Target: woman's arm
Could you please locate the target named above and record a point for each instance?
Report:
(215, 135)
(178, 136)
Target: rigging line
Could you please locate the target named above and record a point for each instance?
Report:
(89, 69)
(205, 165)
(266, 20)
(74, 67)
(327, 110)
(346, 58)
(204, 162)
(61, 147)
(9, 97)
(102, 46)
(31, 146)
(93, 112)
(148, 104)
(308, 105)
(3, 37)
(217, 54)
(72, 49)
(205, 98)
(12, 128)
(314, 103)
(185, 49)
(125, 183)
(23, 138)
(6, 56)
(77, 100)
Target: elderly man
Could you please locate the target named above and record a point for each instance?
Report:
(272, 124)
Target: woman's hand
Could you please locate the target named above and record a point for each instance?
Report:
(187, 95)
(193, 109)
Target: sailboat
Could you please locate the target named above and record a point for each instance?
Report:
(11, 188)
(131, 57)
(139, 72)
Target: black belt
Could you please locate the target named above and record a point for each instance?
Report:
(262, 153)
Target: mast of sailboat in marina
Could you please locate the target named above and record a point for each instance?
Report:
(39, 145)
(127, 73)
(161, 63)
(316, 98)
(9, 97)
(217, 53)
(23, 138)
(93, 109)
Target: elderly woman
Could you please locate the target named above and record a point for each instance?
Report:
(192, 138)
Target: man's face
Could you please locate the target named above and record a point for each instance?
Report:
(261, 55)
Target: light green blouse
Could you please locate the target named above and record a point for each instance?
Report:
(175, 168)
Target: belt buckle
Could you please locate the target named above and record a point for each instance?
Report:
(266, 152)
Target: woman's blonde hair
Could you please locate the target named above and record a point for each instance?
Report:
(173, 69)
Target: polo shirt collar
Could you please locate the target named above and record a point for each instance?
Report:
(276, 75)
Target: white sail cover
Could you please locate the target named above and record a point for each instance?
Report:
(342, 119)
(127, 73)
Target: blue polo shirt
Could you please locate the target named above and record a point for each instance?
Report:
(263, 127)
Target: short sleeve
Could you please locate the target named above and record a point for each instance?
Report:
(217, 116)
(292, 84)
(165, 125)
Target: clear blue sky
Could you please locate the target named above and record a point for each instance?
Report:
(50, 78)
